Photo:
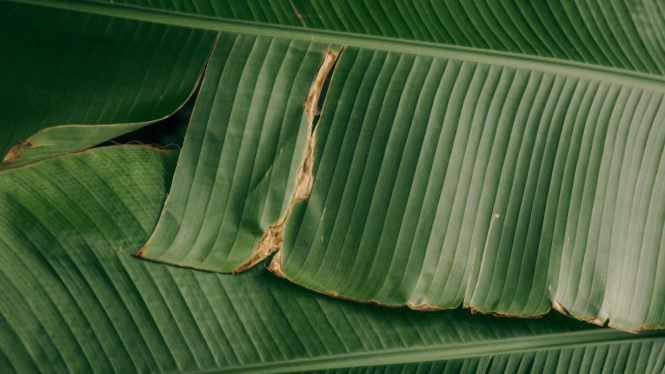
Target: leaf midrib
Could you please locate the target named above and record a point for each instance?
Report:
(445, 352)
(543, 64)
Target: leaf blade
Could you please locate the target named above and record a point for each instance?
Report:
(77, 303)
(439, 182)
(616, 35)
(62, 77)
(241, 154)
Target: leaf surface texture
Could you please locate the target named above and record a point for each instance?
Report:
(439, 182)
(245, 143)
(74, 300)
(71, 80)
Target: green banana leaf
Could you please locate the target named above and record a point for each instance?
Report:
(504, 178)
(241, 156)
(71, 80)
(74, 300)
(587, 177)
(439, 182)
(626, 35)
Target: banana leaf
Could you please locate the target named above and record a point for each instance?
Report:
(74, 299)
(544, 193)
(241, 161)
(625, 35)
(72, 80)
(440, 182)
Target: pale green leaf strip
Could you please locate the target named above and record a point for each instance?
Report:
(439, 182)
(244, 146)
(57, 140)
(72, 80)
(74, 300)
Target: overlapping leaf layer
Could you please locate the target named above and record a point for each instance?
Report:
(621, 34)
(439, 182)
(63, 72)
(504, 156)
(243, 148)
(74, 300)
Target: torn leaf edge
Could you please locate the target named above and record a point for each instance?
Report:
(271, 241)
